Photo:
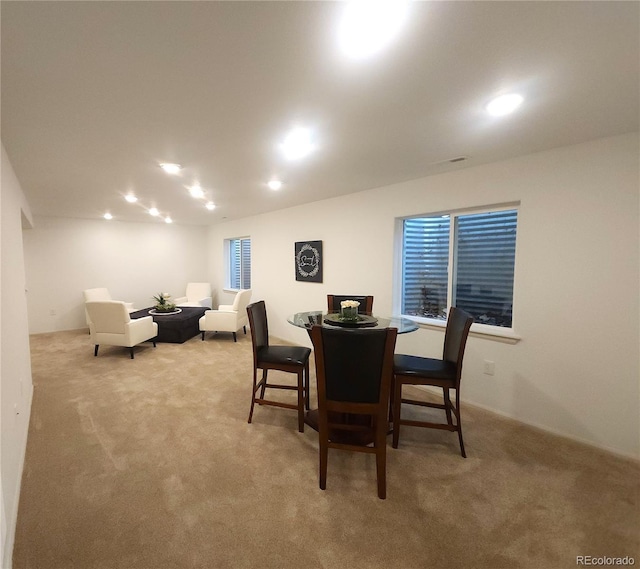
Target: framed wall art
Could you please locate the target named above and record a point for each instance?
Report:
(308, 260)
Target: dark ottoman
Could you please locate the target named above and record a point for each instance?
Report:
(175, 328)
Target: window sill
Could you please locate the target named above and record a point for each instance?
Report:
(495, 333)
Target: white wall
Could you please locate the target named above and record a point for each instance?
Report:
(576, 305)
(135, 261)
(15, 364)
(576, 369)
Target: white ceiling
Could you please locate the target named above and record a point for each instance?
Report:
(96, 94)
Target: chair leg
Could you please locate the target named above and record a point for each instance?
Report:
(397, 401)
(95, 351)
(381, 460)
(131, 350)
(392, 399)
(234, 337)
(245, 329)
(203, 336)
(324, 456)
(307, 387)
(462, 452)
(264, 383)
(154, 343)
(459, 425)
(301, 397)
(447, 405)
(253, 394)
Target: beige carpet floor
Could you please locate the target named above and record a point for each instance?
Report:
(150, 464)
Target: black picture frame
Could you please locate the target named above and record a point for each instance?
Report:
(308, 261)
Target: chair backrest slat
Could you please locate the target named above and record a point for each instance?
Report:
(93, 294)
(198, 291)
(257, 313)
(241, 300)
(108, 316)
(353, 366)
(455, 338)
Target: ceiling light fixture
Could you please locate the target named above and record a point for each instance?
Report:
(108, 216)
(131, 198)
(504, 104)
(210, 206)
(168, 219)
(154, 211)
(368, 26)
(196, 191)
(275, 184)
(297, 144)
(170, 168)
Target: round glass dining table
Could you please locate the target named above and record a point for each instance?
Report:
(318, 318)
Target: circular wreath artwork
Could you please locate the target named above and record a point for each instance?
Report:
(308, 261)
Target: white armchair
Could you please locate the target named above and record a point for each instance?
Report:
(93, 294)
(228, 317)
(198, 294)
(110, 324)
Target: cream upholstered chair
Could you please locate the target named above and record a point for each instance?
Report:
(110, 324)
(198, 294)
(228, 317)
(92, 294)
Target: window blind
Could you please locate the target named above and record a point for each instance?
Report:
(424, 266)
(485, 259)
(245, 272)
(483, 266)
(240, 263)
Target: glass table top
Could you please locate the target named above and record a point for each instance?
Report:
(317, 317)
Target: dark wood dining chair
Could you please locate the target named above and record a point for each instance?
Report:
(444, 373)
(354, 369)
(291, 359)
(334, 300)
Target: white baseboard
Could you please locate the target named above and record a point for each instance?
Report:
(542, 428)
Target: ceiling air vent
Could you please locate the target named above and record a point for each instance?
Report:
(450, 161)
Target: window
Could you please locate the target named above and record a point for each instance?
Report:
(239, 263)
(462, 260)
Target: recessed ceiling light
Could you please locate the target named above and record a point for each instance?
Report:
(297, 143)
(368, 26)
(210, 206)
(108, 216)
(170, 168)
(154, 211)
(196, 191)
(168, 219)
(275, 184)
(504, 104)
(131, 198)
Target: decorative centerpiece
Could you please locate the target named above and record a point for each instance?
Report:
(163, 303)
(349, 310)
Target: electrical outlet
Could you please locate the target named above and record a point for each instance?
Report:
(489, 367)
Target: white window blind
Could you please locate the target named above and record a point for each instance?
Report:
(480, 248)
(240, 263)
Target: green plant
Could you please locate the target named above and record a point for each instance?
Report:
(163, 302)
